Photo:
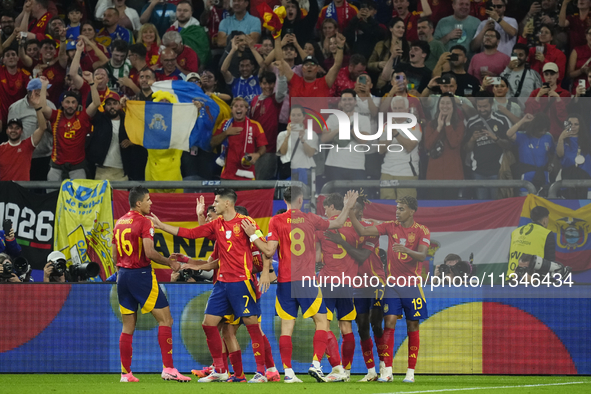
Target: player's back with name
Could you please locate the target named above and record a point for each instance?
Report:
(128, 235)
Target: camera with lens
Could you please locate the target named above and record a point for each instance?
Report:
(461, 268)
(7, 269)
(80, 272)
(22, 269)
(541, 266)
(59, 267)
(197, 275)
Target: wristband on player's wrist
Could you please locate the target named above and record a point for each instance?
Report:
(254, 237)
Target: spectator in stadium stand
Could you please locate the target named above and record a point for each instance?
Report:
(574, 151)
(265, 109)
(439, 86)
(490, 62)
(577, 24)
(400, 165)
(211, 17)
(186, 58)
(30, 48)
(137, 58)
(347, 76)
(16, 153)
(169, 70)
(79, 83)
(417, 75)
(519, 69)
(7, 27)
(329, 30)
(34, 18)
(550, 99)
(339, 10)
(410, 18)
(478, 9)
(56, 30)
(210, 86)
(394, 46)
(267, 46)
(301, 26)
(70, 127)
(128, 17)
(345, 164)
(425, 31)
(550, 53)
(309, 85)
(541, 13)
(447, 130)
(52, 68)
(109, 149)
(536, 149)
(184, 16)
(467, 84)
(246, 142)
(363, 32)
(13, 82)
(485, 139)
(24, 110)
(95, 54)
(112, 30)
(459, 28)
(329, 59)
(506, 27)
(118, 67)
(240, 21)
(398, 87)
(247, 83)
(14, 278)
(578, 64)
(148, 36)
(74, 16)
(512, 109)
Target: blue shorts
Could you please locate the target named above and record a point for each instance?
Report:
(363, 303)
(139, 287)
(344, 306)
(309, 299)
(233, 298)
(410, 299)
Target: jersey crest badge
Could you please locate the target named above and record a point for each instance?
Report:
(236, 229)
(411, 238)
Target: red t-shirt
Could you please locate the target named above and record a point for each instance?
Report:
(342, 82)
(373, 265)
(411, 24)
(236, 145)
(69, 137)
(401, 264)
(298, 87)
(56, 75)
(90, 57)
(266, 112)
(12, 88)
(337, 261)
(576, 29)
(15, 160)
(232, 246)
(188, 60)
(39, 26)
(294, 230)
(478, 10)
(128, 235)
(153, 54)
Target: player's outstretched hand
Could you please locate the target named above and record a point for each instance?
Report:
(351, 198)
(201, 206)
(248, 227)
(264, 282)
(181, 258)
(175, 265)
(155, 220)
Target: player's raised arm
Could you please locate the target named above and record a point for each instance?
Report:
(193, 233)
(349, 202)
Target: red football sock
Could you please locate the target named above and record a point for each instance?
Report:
(285, 349)
(258, 346)
(225, 358)
(165, 341)
(214, 343)
(269, 362)
(367, 349)
(388, 346)
(348, 349)
(319, 342)
(379, 343)
(126, 350)
(332, 350)
(236, 360)
(413, 348)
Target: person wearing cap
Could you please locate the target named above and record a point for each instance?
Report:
(69, 128)
(24, 110)
(13, 81)
(247, 85)
(550, 99)
(194, 78)
(549, 54)
(16, 154)
(49, 274)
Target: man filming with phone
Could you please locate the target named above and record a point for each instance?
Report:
(8, 242)
(522, 79)
(454, 62)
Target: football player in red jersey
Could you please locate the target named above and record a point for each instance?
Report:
(292, 233)
(407, 249)
(133, 249)
(233, 292)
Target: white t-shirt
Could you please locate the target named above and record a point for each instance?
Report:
(347, 157)
(506, 42)
(113, 158)
(299, 159)
(402, 163)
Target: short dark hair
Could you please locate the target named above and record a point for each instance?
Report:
(484, 95)
(351, 91)
(358, 59)
(113, 9)
(138, 49)
(460, 47)
(292, 193)
(119, 46)
(424, 45)
(334, 199)
(281, 210)
(48, 41)
(539, 213)
(186, 2)
(497, 34)
(241, 210)
(269, 77)
(43, 3)
(74, 7)
(410, 202)
(210, 208)
(31, 42)
(149, 70)
(452, 257)
(522, 47)
(11, 48)
(250, 59)
(228, 194)
(136, 194)
(425, 19)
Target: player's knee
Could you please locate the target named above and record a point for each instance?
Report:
(363, 332)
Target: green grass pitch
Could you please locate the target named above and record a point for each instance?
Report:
(152, 383)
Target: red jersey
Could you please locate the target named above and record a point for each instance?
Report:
(214, 256)
(57, 78)
(373, 265)
(232, 244)
(90, 57)
(69, 137)
(411, 24)
(128, 235)
(15, 160)
(336, 260)
(294, 231)
(12, 88)
(298, 87)
(401, 264)
(153, 54)
(266, 112)
(344, 14)
(188, 60)
(39, 26)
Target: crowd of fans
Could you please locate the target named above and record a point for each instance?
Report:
(497, 87)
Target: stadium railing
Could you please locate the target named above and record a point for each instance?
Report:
(567, 184)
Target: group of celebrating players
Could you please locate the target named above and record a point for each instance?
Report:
(346, 243)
